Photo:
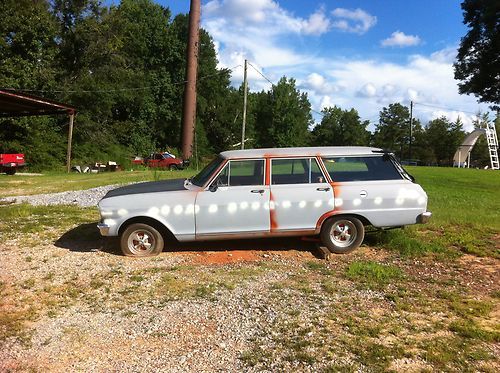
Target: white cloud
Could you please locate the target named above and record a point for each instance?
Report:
(368, 90)
(268, 36)
(317, 23)
(357, 21)
(318, 84)
(400, 39)
(265, 14)
(422, 79)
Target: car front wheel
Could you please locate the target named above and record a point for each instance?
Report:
(141, 240)
(342, 234)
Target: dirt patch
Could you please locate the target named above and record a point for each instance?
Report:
(224, 257)
(489, 265)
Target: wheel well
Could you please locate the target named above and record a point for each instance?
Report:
(361, 218)
(160, 227)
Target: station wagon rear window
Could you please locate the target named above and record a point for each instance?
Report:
(361, 168)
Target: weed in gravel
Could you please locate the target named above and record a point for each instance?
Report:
(28, 284)
(136, 278)
(372, 274)
(318, 266)
(255, 356)
(468, 328)
(465, 307)
(49, 276)
(13, 324)
(447, 352)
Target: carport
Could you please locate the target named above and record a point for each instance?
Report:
(17, 104)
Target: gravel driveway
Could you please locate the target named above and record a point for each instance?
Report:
(82, 198)
(69, 302)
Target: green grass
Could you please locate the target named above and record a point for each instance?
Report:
(25, 218)
(465, 204)
(373, 274)
(465, 197)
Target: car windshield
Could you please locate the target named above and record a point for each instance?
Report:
(205, 174)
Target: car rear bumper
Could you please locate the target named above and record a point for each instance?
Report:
(103, 229)
(424, 217)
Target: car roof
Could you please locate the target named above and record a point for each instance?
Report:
(301, 152)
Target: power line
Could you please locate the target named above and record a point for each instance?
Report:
(443, 108)
(261, 74)
(125, 89)
(269, 80)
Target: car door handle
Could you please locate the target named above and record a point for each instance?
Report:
(257, 191)
(323, 189)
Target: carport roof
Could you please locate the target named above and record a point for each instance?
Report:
(17, 104)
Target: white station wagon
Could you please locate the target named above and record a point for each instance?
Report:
(331, 192)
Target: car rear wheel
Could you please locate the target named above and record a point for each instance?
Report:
(10, 171)
(342, 234)
(141, 240)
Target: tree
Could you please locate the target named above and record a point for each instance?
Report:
(340, 128)
(283, 116)
(478, 60)
(443, 139)
(27, 45)
(393, 129)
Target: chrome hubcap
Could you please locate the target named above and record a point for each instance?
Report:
(141, 241)
(343, 233)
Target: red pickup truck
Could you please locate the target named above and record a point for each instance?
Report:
(9, 163)
(161, 160)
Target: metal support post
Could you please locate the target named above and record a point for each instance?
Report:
(70, 140)
(245, 89)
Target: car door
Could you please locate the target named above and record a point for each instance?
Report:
(300, 194)
(235, 203)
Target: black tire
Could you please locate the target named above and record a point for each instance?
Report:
(172, 167)
(141, 240)
(10, 171)
(342, 234)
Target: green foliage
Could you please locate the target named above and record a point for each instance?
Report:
(443, 138)
(392, 130)
(373, 274)
(477, 60)
(121, 66)
(341, 128)
(283, 116)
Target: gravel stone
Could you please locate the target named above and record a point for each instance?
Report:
(82, 198)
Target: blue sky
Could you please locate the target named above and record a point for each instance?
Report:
(359, 53)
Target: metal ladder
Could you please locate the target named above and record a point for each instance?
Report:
(492, 140)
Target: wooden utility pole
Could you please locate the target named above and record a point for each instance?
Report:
(189, 110)
(245, 89)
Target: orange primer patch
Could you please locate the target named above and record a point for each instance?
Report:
(272, 213)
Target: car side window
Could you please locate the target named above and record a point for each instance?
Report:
(361, 168)
(241, 173)
(222, 179)
(296, 171)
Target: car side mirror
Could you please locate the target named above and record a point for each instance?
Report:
(213, 187)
